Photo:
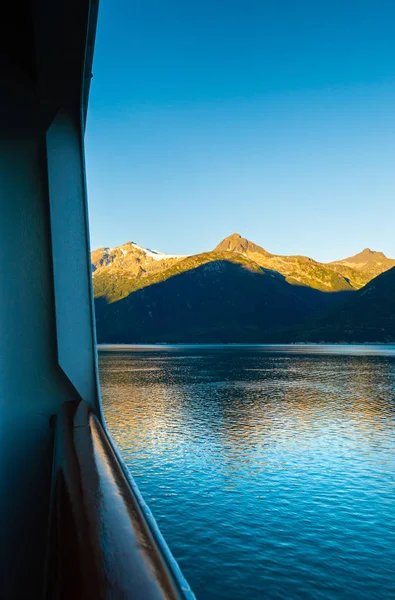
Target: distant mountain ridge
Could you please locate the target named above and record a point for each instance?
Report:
(145, 295)
(215, 301)
(363, 267)
(350, 273)
(299, 270)
(115, 268)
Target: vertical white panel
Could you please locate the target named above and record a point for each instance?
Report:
(71, 261)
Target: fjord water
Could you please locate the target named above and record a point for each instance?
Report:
(270, 469)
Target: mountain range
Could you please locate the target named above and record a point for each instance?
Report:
(240, 292)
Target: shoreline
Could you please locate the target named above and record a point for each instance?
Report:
(104, 346)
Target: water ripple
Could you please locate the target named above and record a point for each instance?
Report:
(270, 470)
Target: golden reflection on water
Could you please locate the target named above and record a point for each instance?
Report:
(152, 404)
(267, 468)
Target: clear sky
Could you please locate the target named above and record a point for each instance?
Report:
(271, 118)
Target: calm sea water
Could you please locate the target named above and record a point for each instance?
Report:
(270, 470)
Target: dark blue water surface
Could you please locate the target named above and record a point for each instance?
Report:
(270, 469)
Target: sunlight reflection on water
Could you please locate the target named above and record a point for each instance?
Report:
(269, 469)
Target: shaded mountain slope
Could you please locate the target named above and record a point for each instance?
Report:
(366, 316)
(219, 300)
(119, 283)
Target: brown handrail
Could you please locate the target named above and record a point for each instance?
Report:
(101, 545)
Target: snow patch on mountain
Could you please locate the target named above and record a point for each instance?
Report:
(155, 255)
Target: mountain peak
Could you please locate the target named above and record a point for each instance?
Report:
(366, 254)
(236, 243)
(369, 263)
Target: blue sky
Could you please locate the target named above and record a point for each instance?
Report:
(274, 119)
